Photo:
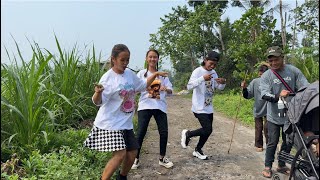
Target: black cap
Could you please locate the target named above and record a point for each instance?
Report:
(212, 55)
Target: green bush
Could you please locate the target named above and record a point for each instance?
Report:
(67, 158)
(71, 137)
(308, 62)
(81, 163)
(180, 80)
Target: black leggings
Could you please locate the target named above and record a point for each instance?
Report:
(205, 130)
(144, 117)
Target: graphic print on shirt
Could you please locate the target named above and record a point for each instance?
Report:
(286, 79)
(208, 93)
(127, 93)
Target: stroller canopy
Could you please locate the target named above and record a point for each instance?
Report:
(306, 99)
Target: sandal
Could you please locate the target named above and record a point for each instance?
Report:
(284, 170)
(267, 173)
(259, 149)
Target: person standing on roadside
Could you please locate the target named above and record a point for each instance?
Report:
(153, 106)
(203, 81)
(278, 82)
(259, 108)
(113, 127)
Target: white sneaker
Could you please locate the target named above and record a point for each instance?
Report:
(166, 163)
(136, 164)
(184, 138)
(199, 154)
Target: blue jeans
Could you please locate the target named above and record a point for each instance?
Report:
(273, 140)
(144, 117)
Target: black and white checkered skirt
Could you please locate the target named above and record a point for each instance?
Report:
(105, 140)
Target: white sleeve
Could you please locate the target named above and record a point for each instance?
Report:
(194, 80)
(139, 84)
(167, 83)
(140, 74)
(217, 85)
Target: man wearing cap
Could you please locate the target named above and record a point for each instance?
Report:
(259, 108)
(272, 88)
(203, 81)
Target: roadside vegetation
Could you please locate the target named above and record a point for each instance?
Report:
(233, 105)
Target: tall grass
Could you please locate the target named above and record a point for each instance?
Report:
(90, 72)
(74, 80)
(45, 94)
(24, 98)
(65, 78)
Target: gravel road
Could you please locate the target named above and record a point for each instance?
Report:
(242, 162)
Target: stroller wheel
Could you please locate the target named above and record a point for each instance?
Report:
(279, 176)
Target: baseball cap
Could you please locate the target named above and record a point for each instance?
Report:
(274, 51)
(212, 55)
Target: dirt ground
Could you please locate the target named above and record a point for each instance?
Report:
(242, 162)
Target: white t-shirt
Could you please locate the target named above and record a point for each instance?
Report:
(203, 90)
(146, 102)
(118, 100)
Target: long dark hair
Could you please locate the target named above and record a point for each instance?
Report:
(116, 50)
(153, 50)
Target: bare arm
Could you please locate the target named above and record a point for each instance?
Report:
(154, 75)
(97, 96)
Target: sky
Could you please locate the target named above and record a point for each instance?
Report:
(102, 23)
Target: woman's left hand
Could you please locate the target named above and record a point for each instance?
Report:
(163, 88)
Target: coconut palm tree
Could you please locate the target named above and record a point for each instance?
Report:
(269, 11)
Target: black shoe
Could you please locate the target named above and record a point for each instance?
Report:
(187, 138)
(120, 177)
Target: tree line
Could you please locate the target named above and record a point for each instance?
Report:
(189, 31)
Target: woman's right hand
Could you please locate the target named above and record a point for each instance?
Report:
(98, 88)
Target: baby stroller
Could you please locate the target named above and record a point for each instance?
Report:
(303, 114)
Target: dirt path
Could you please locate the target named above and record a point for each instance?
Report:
(243, 162)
